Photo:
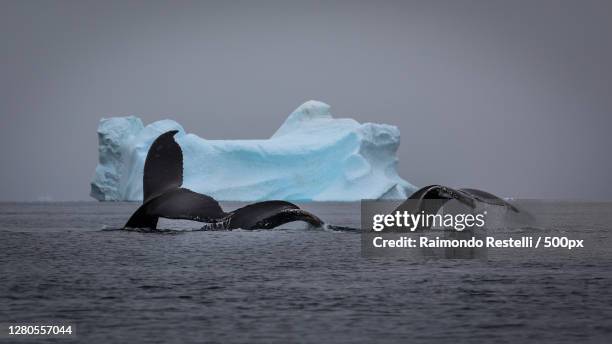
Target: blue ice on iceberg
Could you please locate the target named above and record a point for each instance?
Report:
(311, 157)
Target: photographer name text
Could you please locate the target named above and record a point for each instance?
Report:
(474, 242)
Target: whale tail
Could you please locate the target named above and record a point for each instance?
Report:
(270, 214)
(162, 192)
(430, 199)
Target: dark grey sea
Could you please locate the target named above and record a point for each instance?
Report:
(63, 262)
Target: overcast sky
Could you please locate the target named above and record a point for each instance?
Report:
(514, 97)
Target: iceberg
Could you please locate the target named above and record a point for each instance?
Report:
(311, 157)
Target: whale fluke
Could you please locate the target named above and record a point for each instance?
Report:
(431, 198)
(270, 214)
(162, 194)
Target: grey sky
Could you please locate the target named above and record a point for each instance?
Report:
(514, 97)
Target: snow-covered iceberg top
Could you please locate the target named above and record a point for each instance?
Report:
(311, 157)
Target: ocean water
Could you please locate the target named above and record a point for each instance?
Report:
(63, 262)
